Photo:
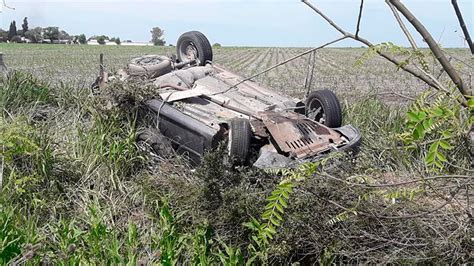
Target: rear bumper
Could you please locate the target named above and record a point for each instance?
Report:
(354, 137)
(273, 160)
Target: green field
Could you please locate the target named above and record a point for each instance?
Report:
(77, 188)
(335, 68)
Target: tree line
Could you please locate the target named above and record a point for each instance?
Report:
(50, 34)
(53, 34)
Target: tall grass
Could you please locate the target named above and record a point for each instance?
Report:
(77, 189)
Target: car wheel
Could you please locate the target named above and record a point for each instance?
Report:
(160, 144)
(194, 45)
(323, 106)
(240, 135)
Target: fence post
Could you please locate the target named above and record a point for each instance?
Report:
(3, 67)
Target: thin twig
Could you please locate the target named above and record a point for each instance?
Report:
(309, 75)
(396, 184)
(411, 216)
(359, 18)
(463, 25)
(402, 25)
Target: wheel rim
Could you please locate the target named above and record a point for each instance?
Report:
(316, 111)
(189, 51)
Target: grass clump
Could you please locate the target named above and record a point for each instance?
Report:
(20, 89)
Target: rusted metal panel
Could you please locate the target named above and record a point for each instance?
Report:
(250, 88)
(298, 136)
(258, 128)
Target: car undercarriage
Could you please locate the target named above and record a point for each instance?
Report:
(199, 105)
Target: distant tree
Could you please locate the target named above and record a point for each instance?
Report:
(35, 35)
(157, 36)
(82, 39)
(24, 26)
(118, 41)
(3, 35)
(101, 40)
(51, 33)
(217, 45)
(63, 35)
(12, 32)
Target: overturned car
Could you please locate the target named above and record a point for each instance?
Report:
(199, 105)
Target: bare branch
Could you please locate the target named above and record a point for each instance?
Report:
(378, 216)
(463, 25)
(425, 179)
(438, 53)
(387, 56)
(5, 5)
(402, 25)
(359, 18)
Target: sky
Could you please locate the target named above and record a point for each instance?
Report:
(276, 23)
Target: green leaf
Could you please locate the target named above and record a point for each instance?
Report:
(273, 197)
(283, 202)
(428, 123)
(279, 208)
(270, 229)
(430, 158)
(267, 214)
(268, 234)
(445, 145)
(470, 103)
(413, 117)
(437, 111)
(278, 216)
(419, 132)
(441, 157)
(447, 134)
(434, 147)
(422, 115)
(270, 205)
(275, 222)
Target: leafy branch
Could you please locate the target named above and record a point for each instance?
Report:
(271, 219)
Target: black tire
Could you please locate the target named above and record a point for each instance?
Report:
(330, 113)
(197, 41)
(240, 135)
(151, 66)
